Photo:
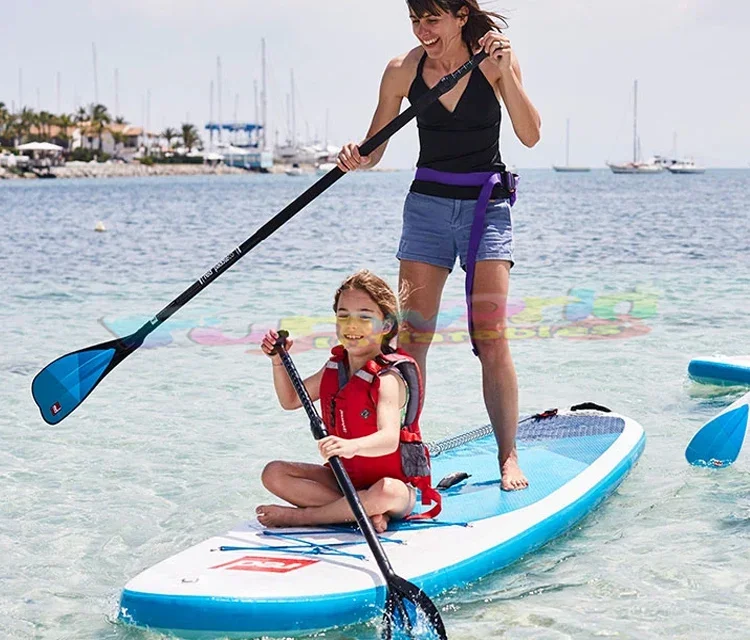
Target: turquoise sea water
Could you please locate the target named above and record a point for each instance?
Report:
(619, 281)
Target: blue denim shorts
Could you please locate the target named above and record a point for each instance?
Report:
(436, 231)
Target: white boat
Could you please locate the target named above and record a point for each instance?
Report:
(636, 167)
(243, 157)
(325, 167)
(295, 170)
(567, 167)
(651, 166)
(685, 166)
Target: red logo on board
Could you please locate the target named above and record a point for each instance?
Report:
(55, 408)
(265, 564)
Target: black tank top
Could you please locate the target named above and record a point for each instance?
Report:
(464, 141)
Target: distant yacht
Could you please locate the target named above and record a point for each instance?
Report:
(637, 167)
(654, 165)
(567, 168)
(242, 157)
(685, 166)
(295, 170)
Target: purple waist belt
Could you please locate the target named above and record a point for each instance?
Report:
(487, 180)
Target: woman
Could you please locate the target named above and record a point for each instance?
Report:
(459, 168)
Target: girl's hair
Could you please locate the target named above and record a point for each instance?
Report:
(381, 294)
(478, 20)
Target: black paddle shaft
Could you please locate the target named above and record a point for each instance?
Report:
(319, 432)
(293, 208)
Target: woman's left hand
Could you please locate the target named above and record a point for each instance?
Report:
(335, 446)
(498, 49)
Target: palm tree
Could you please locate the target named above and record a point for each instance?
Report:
(65, 122)
(100, 118)
(119, 138)
(26, 119)
(44, 120)
(190, 137)
(81, 119)
(5, 121)
(168, 134)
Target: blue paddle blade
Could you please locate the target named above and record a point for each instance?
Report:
(63, 384)
(409, 622)
(719, 441)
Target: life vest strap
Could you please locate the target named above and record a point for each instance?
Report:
(409, 436)
(429, 495)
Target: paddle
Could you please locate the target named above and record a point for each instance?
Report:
(400, 591)
(718, 442)
(65, 383)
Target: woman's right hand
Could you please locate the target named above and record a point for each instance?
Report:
(349, 158)
(268, 345)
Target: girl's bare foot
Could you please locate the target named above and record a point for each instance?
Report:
(380, 522)
(274, 515)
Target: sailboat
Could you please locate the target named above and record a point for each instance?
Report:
(685, 166)
(636, 166)
(567, 168)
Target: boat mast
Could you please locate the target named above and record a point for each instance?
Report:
(218, 94)
(96, 78)
(211, 115)
(635, 121)
(567, 142)
(255, 99)
(117, 93)
(294, 119)
(263, 95)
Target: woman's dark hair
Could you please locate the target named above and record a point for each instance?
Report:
(478, 21)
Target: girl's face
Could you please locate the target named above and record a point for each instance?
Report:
(360, 323)
(437, 33)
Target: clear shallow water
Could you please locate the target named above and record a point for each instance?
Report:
(168, 450)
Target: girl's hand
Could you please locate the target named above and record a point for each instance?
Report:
(349, 158)
(335, 446)
(267, 346)
(498, 49)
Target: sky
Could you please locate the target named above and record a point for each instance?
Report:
(579, 59)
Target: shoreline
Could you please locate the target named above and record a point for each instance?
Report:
(137, 170)
(131, 170)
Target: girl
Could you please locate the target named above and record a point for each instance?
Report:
(371, 398)
(459, 202)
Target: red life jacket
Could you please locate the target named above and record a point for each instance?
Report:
(349, 410)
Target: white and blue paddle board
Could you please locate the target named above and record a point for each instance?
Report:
(723, 371)
(252, 581)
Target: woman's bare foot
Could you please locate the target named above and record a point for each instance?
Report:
(380, 522)
(511, 476)
(274, 515)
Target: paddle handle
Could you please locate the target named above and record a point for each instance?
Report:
(287, 213)
(342, 477)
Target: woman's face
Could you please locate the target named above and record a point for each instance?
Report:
(437, 34)
(359, 322)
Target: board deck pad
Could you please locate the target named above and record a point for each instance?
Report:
(260, 581)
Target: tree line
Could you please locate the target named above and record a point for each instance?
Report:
(32, 126)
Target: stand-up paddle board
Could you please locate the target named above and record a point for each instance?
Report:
(257, 581)
(731, 370)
